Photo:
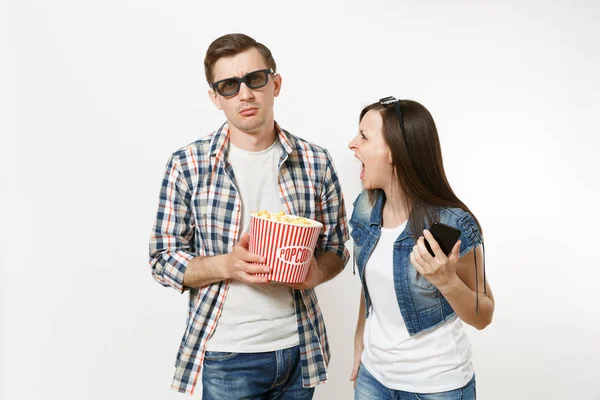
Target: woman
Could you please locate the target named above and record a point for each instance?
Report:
(409, 341)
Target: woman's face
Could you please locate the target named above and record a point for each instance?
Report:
(370, 148)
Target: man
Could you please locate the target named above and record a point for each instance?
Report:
(246, 337)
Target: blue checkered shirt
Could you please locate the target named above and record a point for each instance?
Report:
(199, 214)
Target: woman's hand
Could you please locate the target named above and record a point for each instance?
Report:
(440, 270)
(358, 350)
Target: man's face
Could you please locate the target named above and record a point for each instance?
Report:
(250, 110)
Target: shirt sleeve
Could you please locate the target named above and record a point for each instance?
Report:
(171, 242)
(331, 213)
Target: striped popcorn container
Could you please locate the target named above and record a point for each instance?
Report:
(287, 246)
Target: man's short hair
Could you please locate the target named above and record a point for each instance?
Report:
(230, 45)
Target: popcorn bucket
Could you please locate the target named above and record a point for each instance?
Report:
(287, 247)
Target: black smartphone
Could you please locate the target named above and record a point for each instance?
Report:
(445, 235)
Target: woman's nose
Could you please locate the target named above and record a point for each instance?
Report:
(351, 144)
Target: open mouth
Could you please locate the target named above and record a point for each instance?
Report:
(362, 169)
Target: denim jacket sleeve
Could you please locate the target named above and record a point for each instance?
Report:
(470, 236)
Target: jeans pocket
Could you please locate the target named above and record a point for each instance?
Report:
(218, 355)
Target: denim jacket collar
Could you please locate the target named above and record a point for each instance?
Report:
(376, 218)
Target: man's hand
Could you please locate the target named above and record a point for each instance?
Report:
(314, 276)
(236, 265)
(322, 268)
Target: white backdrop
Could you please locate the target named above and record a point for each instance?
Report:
(97, 94)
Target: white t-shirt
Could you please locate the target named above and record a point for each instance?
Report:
(256, 318)
(437, 360)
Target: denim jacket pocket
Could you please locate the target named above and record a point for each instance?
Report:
(359, 235)
(414, 277)
(418, 280)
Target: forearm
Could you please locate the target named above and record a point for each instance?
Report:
(359, 344)
(362, 317)
(329, 265)
(239, 265)
(463, 301)
(202, 271)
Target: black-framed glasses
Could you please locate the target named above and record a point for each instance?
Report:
(254, 80)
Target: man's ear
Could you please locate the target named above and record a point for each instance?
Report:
(277, 84)
(214, 98)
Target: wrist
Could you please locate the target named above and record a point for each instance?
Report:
(321, 275)
(209, 268)
(452, 285)
(217, 266)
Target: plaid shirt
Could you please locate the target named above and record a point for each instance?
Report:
(199, 214)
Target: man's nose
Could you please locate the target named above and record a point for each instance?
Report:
(245, 92)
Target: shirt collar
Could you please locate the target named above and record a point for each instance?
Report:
(220, 141)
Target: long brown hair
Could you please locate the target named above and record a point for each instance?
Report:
(231, 45)
(417, 163)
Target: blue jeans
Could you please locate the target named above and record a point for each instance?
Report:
(369, 388)
(270, 375)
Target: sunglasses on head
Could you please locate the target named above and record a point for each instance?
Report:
(254, 80)
(386, 101)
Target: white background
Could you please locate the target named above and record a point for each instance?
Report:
(96, 95)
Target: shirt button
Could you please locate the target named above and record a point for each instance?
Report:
(237, 208)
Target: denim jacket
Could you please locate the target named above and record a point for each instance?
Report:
(421, 304)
